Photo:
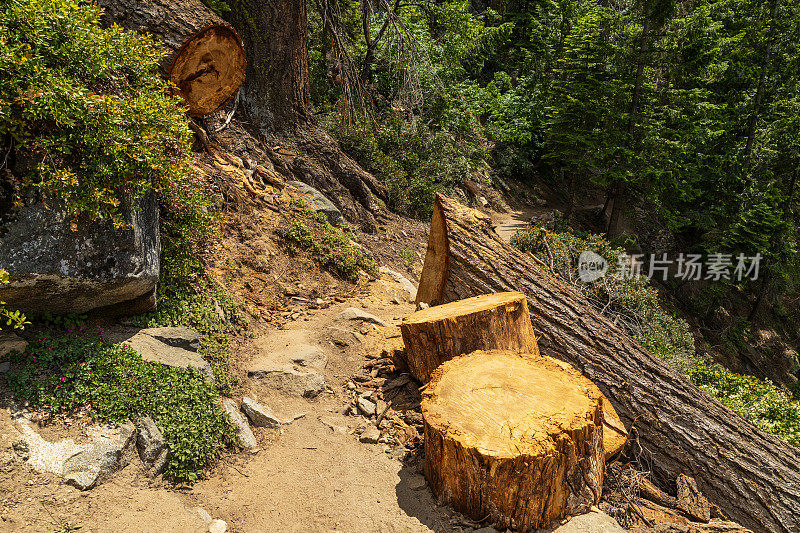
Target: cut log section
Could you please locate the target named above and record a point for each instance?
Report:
(206, 59)
(491, 321)
(751, 475)
(515, 439)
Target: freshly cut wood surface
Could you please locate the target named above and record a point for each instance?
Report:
(490, 321)
(753, 476)
(513, 438)
(206, 60)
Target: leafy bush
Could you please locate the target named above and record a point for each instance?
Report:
(114, 384)
(628, 301)
(15, 319)
(765, 405)
(331, 247)
(85, 113)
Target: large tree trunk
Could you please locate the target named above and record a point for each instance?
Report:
(515, 439)
(754, 477)
(206, 60)
(276, 92)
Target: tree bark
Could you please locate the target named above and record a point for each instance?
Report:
(491, 321)
(753, 476)
(206, 60)
(515, 439)
(276, 92)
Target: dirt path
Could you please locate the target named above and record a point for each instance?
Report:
(313, 475)
(507, 224)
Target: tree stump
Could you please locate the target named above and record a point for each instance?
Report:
(498, 321)
(206, 59)
(748, 473)
(513, 438)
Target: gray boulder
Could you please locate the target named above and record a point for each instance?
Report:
(246, 437)
(149, 344)
(185, 338)
(60, 268)
(112, 451)
(11, 342)
(319, 202)
(149, 441)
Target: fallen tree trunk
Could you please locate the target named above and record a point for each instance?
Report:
(513, 439)
(753, 476)
(488, 322)
(206, 59)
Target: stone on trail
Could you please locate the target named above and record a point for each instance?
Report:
(246, 437)
(403, 281)
(366, 407)
(370, 435)
(359, 315)
(287, 378)
(179, 337)
(217, 526)
(307, 355)
(262, 416)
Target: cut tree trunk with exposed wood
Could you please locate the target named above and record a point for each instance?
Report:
(513, 439)
(753, 476)
(206, 59)
(498, 321)
(491, 321)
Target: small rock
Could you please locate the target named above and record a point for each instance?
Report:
(417, 482)
(11, 342)
(371, 435)
(204, 516)
(5, 366)
(333, 425)
(308, 355)
(217, 526)
(149, 440)
(261, 416)
(246, 437)
(353, 313)
(366, 407)
(594, 522)
(402, 280)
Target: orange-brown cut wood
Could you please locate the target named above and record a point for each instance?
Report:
(206, 59)
(514, 439)
(487, 322)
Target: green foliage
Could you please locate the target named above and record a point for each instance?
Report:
(332, 247)
(408, 257)
(113, 383)
(14, 319)
(629, 301)
(83, 108)
(765, 405)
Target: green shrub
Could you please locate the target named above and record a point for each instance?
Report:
(14, 319)
(765, 405)
(111, 381)
(629, 301)
(331, 247)
(87, 116)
